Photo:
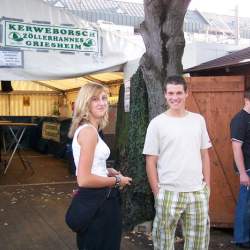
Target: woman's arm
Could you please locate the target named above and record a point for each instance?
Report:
(88, 139)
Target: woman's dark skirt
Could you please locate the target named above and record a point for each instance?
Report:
(104, 231)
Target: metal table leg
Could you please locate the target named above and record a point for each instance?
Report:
(14, 150)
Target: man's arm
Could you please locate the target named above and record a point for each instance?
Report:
(239, 160)
(151, 169)
(205, 166)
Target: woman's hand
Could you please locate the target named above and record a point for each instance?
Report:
(112, 172)
(125, 181)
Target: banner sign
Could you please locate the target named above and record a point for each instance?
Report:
(11, 59)
(51, 131)
(42, 36)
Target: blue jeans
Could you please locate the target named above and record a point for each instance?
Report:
(242, 216)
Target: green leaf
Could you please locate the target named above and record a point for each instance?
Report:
(88, 42)
(17, 37)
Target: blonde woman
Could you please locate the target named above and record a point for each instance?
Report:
(98, 185)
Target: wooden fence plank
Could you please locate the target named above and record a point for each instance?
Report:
(217, 84)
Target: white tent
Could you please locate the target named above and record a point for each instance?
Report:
(41, 42)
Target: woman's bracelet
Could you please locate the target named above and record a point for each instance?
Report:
(117, 181)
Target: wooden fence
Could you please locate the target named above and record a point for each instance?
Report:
(218, 99)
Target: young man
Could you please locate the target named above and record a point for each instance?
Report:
(240, 135)
(178, 169)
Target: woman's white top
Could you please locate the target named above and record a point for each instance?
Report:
(101, 154)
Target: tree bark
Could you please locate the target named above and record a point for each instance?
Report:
(162, 32)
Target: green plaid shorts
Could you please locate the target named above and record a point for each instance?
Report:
(189, 207)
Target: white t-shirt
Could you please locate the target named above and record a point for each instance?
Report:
(177, 142)
(101, 154)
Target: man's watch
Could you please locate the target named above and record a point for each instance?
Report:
(117, 181)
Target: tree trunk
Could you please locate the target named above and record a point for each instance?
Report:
(162, 32)
(164, 40)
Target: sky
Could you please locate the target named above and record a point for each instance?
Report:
(217, 6)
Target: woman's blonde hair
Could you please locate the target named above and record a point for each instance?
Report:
(81, 107)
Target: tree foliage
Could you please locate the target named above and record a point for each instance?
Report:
(137, 199)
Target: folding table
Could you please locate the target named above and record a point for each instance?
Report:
(16, 130)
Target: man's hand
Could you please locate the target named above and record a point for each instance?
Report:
(239, 160)
(155, 191)
(244, 179)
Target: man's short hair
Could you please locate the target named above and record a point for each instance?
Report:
(176, 80)
(247, 93)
